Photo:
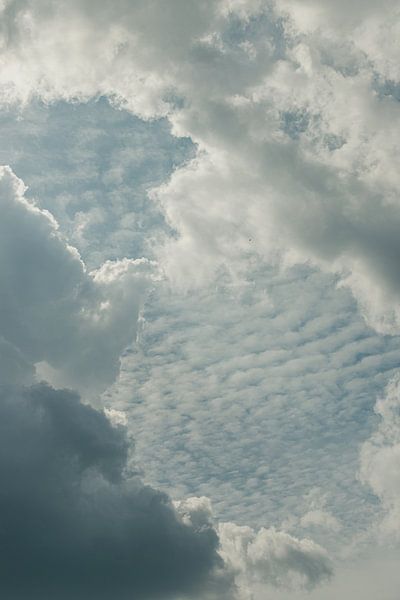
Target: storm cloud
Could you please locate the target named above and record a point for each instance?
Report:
(73, 523)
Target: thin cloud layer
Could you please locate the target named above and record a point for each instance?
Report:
(91, 166)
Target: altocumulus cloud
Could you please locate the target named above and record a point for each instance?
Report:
(77, 524)
(75, 521)
(292, 112)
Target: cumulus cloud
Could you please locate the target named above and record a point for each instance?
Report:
(266, 556)
(72, 324)
(293, 114)
(293, 121)
(272, 557)
(380, 460)
(76, 523)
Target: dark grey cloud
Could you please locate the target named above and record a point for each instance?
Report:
(71, 323)
(73, 524)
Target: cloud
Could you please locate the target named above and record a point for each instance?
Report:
(72, 324)
(14, 367)
(380, 461)
(75, 523)
(104, 40)
(293, 122)
(267, 556)
(272, 557)
(320, 518)
(91, 165)
(257, 393)
(77, 519)
(293, 116)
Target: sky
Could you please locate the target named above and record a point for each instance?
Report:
(200, 300)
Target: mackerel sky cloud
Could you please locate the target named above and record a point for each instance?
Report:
(200, 299)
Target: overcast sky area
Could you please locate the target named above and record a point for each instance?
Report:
(200, 300)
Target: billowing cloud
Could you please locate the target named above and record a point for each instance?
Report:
(266, 556)
(72, 324)
(293, 111)
(75, 523)
(78, 523)
(380, 461)
(293, 121)
(272, 557)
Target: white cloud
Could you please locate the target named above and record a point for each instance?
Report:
(318, 514)
(294, 114)
(320, 518)
(380, 461)
(116, 417)
(298, 142)
(272, 557)
(265, 557)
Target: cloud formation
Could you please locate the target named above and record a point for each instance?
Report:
(272, 557)
(76, 521)
(293, 114)
(91, 166)
(380, 461)
(77, 524)
(74, 524)
(258, 393)
(267, 556)
(72, 324)
(293, 120)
